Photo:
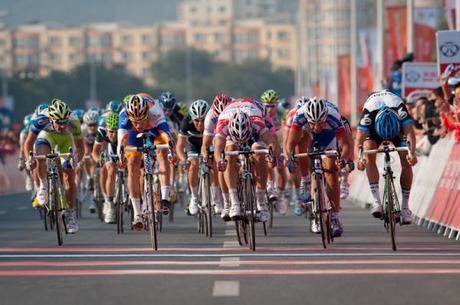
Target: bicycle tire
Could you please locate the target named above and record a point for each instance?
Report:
(151, 217)
(56, 206)
(119, 208)
(240, 233)
(206, 197)
(249, 203)
(391, 211)
(319, 208)
(271, 206)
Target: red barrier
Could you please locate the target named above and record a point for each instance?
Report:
(445, 206)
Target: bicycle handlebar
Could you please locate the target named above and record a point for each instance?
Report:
(244, 152)
(328, 153)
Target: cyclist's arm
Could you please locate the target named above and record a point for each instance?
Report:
(345, 145)
(410, 135)
(181, 142)
(29, 143)
(97, 149)
(80, 148)
(360, 138)
(273, 141)
(207, 142)
(219, 147)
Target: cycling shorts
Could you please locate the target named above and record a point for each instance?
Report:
(63, 142)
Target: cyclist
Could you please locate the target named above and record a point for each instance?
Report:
(210, 122)
(22, 163)
(295, 175)
(57, 128)
(190, 141)
(326, 130)
(270, 100)
(106, 140)
(385, 118)
(142, 114)
(243, 123)
(89, 130)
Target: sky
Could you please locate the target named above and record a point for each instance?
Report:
(75, 12)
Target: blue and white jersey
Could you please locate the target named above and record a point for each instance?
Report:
(377, 101)
(333, 127)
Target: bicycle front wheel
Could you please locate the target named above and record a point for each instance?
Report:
(391, 211)
(151, 214)
(248, 202)
(119, 207)
(320, 216)
(56, 212)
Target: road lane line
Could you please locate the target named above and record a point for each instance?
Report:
(230, 262)
(232, 244)
(189, 255)
(3, 212)
(226, 262)
(22, 208)
(248, 272)
(230, 233)
(226, 289)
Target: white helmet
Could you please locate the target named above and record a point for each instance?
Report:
(91, 117)
(300, 102)
(240, 128)
(316, 110)
(198, 109)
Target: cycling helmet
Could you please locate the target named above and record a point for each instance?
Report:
(137, 108)
(387, 124)
(219, 103)
(27, 120)
(114, 106)
(300, 102)
(91, 117)
(316, 110)
(127, 98)
(143, 94)
(269, 97)
(198, 109)
(58, 110)
(167, 100)
(41, 108)
(112, 120)
(239, 128)
(79, 113)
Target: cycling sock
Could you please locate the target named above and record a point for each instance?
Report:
(106, 197)
(405, 199)
(136, 206)
(261, 197)
(234, 197)
(215, 195)
(165, 192)
(226, 198)
(375, 191)
(195, 191)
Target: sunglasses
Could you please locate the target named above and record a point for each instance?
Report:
(61, 122)
(92, 125)
(198, 120)
(111, 130)
(271, 106)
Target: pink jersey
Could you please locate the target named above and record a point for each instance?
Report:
(252, 108)
(290, 118)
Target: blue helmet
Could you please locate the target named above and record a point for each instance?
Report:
(114, 106)
(40, 108)
(387, 124)
(78, 113)
(167, 100)
(27, 120)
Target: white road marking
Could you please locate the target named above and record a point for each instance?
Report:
(229, 262)
(3, 212)
(229, 223)
(231, 244)
(230, 233)
(22, 208)
(226, 289)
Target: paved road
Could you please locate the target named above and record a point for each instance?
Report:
(96, 266)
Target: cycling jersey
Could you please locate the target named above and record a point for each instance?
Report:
(194, 137)
(88, 137)
(326, 139)
(42, 122)
(210, 123)
(290, 118)
(102, 138)
(156, 125)
(252, 108)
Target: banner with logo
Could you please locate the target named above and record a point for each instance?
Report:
(418, 76)
(448, 50)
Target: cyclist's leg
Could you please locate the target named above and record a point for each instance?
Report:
(43, 146)
(304, 172)
(260, 176)
(373, 176)
(231, 180)
(134, 160)
(109, 216)
(88, 165)
(406, 184)
(193, 178)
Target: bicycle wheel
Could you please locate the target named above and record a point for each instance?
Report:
(271, 206)
(151, 219)
(240, 228)
(119, 208)
(391, 211)
(318, 203)
(206, 202)
(56, 206)
(248, 202)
